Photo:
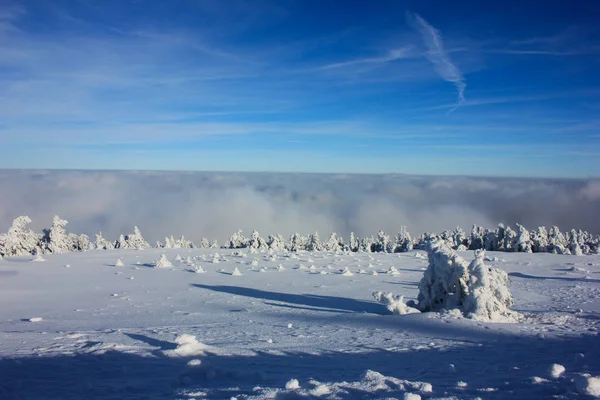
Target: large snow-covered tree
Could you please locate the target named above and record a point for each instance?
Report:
(20, 240)
(56, 240)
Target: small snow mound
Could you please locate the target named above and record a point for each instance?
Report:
(586, 384)
(393, 271)
(35, 319)
(178, 258)
(411, 396)
(38, 258)
(426, 387)
(346, 272)
(461, 384)
(67, 266)
(163, 262)
(199, 270)
(394, 304)
(187, 346)
(236, 272)
(556, 371)
(119, 263)
(280, 267)
(290, 326)
(374, 273)
(292, 384)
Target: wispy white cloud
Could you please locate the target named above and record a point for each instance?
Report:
(438, 56)
(392, 55)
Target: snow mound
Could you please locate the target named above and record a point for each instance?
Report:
(35, 319)
(187, 346)
(163, 262)
(346, 272)
(556, 371)
(292, 384)
(411, 396)
(586, 384)
(38, 258)
(236, 272)
(450, 282)
(119, 263)
(394, 304)
(178, 258)
(199, 270)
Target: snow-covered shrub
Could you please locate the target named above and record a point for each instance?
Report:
(314, 243)
(478, 291)
(19, 241)
(488, 297)
(394, 304)
(134, 240)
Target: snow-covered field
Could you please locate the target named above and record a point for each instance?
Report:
(291, 326)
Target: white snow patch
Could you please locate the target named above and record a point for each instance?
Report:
(394, 304)
(188, 346)
(556, 371)
(292, 384)
(585, 384)
(35, 319)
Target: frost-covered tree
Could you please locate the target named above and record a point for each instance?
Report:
(367, 244)
(134, 240)
(476, 238)
(276, 243)
(459, 238)
(297, 243)
(539, 240)
(556, 241)
(523, 240)
(403, 242)
(183, 243)
(488, 297)
(510, 240)
(56, 239)
(354, 243)
(256, 242)
(383, 243)
(102, 243)
(237, 241)
(20, 240)
(314, 243)
(204, 243)
(83, 243)
(450, 282)
(332, 243)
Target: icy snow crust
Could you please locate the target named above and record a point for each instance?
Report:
(293, 327)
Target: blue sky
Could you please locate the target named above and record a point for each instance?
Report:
(504, 89)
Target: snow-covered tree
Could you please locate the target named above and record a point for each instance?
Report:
(383, 243)
(354, 243)
(488, 297)
(204, 243)
(20, 240)
(476, 238)
(556, 241)
(276, 243)
(135, 240)
(403, 241)
(523, 240)
(256, 242)
(297, 243)
(450, 282)
(314, 243)
(539, 240)
(237, 241)
(83, 243)
(332, 243)
(102, 243)
(56, 240)
(366, 244)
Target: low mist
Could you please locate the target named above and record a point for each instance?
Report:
(214, 205)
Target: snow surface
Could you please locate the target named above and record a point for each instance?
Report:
(172, 334)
